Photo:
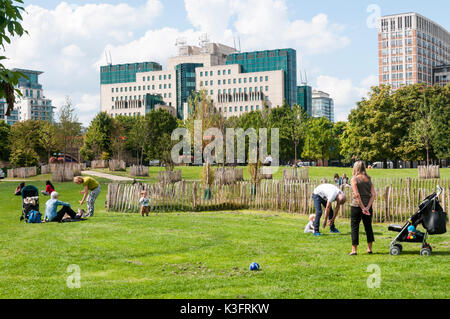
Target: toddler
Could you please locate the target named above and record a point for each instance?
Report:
(309, 228)
(144, 203)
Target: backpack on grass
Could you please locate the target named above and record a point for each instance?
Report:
(34, 217)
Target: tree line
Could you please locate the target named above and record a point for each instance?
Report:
(411, 123)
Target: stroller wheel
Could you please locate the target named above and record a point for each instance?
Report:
(425, 252)
(395, 250)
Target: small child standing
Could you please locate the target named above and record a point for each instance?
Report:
(144, 203)
(309, 228)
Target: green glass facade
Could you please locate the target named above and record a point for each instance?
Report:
(271, 60)
(185, 74)
(125, 73)
(151, 100)
(304, 98)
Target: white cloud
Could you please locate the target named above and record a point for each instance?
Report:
(66, 41)
(344, 93)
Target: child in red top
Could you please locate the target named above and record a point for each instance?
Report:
(49, 188)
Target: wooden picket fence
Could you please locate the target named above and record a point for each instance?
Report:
(229, 175)
(117, 165)
(294, 174)
(138, 170)
(77, 168)
(396, 199)
(22, 172)
(99, 164)
(429, 172)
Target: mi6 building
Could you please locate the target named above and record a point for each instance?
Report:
(236, 82)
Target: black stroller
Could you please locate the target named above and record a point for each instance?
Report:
(30, 201)
(431, 216)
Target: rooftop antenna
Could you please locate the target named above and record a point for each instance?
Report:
(181, 43)
(239, 38)
(108, 58)
(204, 43)
(234, 43)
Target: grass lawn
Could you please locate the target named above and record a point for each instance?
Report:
(195, 173)
(203, 255)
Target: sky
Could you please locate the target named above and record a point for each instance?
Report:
(336, 41)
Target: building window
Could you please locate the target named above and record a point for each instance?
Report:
(211, 82)
(143, 79)
(111, 91)
(218, 73)
(229, 71)
(267, 88)
(211, 92)
(165, 77)
(160, 77)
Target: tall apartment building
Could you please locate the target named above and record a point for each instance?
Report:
(33, 105)
(322, 105)
(236, 82)
(409, 47)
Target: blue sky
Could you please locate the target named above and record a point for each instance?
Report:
(334, 44)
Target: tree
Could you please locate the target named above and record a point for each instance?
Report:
(10, 26)
(372, 132)
(97, 141)
(202, 109)
(160, 125)
(5, 148)
(26, 149)
(47, 138)
(298, 129)
(138, 138)
(68, 127)
(319, 139)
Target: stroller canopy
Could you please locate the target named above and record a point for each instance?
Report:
(30, 191)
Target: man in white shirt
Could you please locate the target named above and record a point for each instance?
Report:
(325, 195)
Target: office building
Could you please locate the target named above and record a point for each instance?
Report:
(441, 75)
(304, 98)
(33, 105)
(236, 82)
(409, 47)
(322, 105)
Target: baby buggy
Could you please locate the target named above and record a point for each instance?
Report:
(30, 201)
(431, 216)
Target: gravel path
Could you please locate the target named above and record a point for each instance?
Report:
(108, 176)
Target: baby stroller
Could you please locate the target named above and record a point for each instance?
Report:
(431, 216)
(30, 201)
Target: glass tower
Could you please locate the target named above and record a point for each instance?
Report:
(304, 98)
(271, 60)
(185, 74)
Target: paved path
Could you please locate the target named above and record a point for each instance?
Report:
(108, 176)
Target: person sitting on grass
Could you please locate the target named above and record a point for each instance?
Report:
(91, 190)
(18, 191)
(309, 228)
(325, 195)
(51, 210)
(49, 189)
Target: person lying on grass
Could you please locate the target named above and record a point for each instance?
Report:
(91, 190)
(49, 189)
(324, 195)
(51, 210)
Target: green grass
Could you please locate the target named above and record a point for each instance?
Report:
(195, 173)
(203, 255)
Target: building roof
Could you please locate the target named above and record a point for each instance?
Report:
(28, 71)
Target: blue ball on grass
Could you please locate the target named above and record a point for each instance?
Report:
(254, 266)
